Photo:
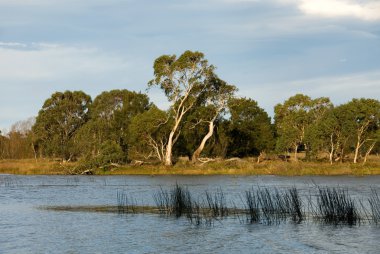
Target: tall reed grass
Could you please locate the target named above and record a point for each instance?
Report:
(125, 203)
(335, 205)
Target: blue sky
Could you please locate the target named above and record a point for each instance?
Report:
(269, 49)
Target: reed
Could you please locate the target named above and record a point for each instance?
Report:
(252, 207)
(295, 205)
(216, 204)
(374, 202)
(125, 203)
(273, 206)
(335, 206)
(162, 200)
(175, 202)
(260, 205)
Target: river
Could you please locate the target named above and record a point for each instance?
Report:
(25, 227)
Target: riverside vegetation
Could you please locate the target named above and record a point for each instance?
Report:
(207, 129)
(258, 205)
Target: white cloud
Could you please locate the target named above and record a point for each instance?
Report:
(341, 8)
(368, 10)
(12, 44)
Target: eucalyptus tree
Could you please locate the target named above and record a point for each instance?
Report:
(58, 121)
(373, 140)
(329, 134)
(250, 130)
(148, 133)
(294, 117)
(110, 116)
(183, 80)
(214, 102)
(364, 117)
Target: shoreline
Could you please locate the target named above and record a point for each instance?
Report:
(238, 167)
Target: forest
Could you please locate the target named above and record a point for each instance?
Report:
(205, 120)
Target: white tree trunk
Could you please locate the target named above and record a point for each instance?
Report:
(357, 151)
(295, 152)
(169, 147)
(199, 150)
(368, 152)
(332, 149)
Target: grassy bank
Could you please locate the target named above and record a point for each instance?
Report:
(34, 167)
(246, 167)
(227, 167)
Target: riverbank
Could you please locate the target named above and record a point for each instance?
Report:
(226, 167)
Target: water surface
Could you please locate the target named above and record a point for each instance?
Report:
(25, 228)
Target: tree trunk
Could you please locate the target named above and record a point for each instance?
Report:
(199, 150)
(295, 152)
(368, 152)
(342, 155)
(332, 149)
(357, 151)
(169, 148)
(34, 152)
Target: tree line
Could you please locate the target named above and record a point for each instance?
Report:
(205, 119)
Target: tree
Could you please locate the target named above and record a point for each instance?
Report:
(329, 134)
(148, 133)
(294, 117)
(19, 142)
(373, 139)
(109, 119)
(59, 119)
(250, 129)
(364, 115)
(183, 80)
(215, 102)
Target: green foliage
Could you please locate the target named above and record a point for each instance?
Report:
(250, 130)
(58, 121)
(294, 118)
(109, 153)
(148, 134)
(110, 116)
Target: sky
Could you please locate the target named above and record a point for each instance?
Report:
(269, 49)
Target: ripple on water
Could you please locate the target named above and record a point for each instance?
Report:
(26, 229)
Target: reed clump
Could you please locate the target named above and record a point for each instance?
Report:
(125, 203)
(328, 205)
(273, 206)
(216, 204)
(179, 202)
(176, 202)
(335, 206)
(374, 202)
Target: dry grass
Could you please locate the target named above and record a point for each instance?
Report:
(250, 167)
(246, 166)
(33, 167)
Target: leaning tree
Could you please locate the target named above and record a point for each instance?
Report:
(183, 79)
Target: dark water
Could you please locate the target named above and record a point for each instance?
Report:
(25, 228)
